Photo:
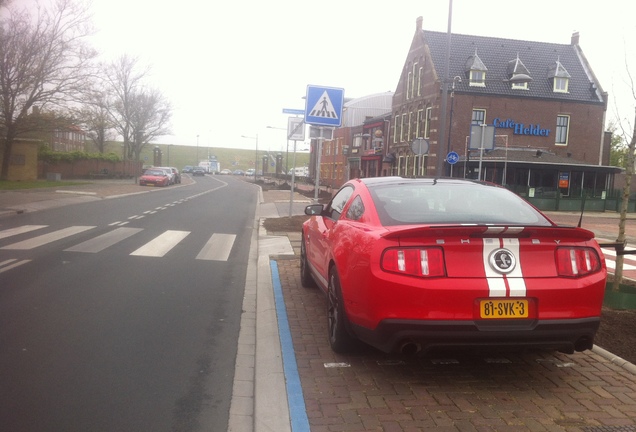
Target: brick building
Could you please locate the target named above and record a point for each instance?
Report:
(545, 108)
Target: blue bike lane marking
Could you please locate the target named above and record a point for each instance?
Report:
(295, 398)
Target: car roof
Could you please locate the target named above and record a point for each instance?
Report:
(394, 180)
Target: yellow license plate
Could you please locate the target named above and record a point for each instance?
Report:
(508, 308)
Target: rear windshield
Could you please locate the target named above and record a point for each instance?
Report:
(155, 172)
(452, 203)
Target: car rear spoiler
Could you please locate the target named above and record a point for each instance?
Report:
(489, 231)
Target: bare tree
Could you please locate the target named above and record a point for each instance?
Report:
(44, 60)
(140, 114)
(94, 117)
(626, 126)
(629, 172)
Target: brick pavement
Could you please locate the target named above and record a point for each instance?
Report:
(373, 391)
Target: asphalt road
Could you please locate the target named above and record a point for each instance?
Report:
(123, 315)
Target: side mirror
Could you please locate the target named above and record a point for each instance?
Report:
(314, 209)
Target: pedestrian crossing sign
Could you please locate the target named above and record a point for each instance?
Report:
(323, 106)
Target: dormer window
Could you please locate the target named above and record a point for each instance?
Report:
(518, 74)
(476, 71)
(560, 78)
(477, 78)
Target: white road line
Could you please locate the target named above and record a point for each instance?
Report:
(218, 248)
(161, 245)
(48, 238)
(14, 265)
(612, 264)
(104, 241)
(20, 230)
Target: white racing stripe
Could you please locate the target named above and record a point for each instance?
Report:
(161, 245)
(497, 281)
(48, 238)
(103, 241)
(218, 248)
(515, 279)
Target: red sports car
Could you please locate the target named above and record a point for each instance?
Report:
(154, 177)
(413, 265)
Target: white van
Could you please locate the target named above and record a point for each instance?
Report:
(299, 172)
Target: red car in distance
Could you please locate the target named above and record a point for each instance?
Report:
(154, 177)
(413, 265)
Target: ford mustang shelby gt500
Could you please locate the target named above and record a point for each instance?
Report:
(417, 264)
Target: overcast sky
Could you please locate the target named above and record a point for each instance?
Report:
(229, 68)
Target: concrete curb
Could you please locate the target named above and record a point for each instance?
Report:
(630, 367)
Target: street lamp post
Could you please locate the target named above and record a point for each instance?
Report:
(197, 149)
(255, 155)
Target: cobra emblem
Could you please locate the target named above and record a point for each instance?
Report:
(502, 261)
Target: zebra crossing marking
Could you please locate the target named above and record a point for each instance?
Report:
(20, 230)
(162, 244)
(11, 263)
(47, 238)
(101, 242)
(217, 248)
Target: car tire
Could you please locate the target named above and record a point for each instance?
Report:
(305, 275)
(340, 339)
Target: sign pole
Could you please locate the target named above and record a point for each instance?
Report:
(293, 177)
(317, 177)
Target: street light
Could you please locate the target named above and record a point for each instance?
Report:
(255, 155)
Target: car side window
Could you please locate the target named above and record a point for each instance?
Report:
(334, 210)
(356, 209)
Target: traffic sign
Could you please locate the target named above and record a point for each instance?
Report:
(293, 111)
(323, 106)
(296, 129)
(452, 158)
(420, 146)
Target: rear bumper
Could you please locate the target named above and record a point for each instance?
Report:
(563, 335)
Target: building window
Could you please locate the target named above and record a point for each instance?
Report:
(419, 81)
(562, 129)
(427, 127)
(403, 131)
(409, 85)
(413, 76)
(395, 129)
(477, 78)
(420, 123)
(479, 117)
(519, 86)
(561, 85)
(409, 136)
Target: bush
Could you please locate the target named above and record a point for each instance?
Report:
(45, 154)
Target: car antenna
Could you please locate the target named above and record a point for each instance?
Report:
(582, 209)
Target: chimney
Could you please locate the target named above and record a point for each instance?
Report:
(575, 38)
(418, 24)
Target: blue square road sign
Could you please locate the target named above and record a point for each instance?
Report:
(323, 106)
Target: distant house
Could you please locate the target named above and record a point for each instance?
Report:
(57, 134)
(543, 103)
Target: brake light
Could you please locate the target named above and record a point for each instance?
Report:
(576, 262)
(421, 262)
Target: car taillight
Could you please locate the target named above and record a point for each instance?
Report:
(575, 262)
(422, 262)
